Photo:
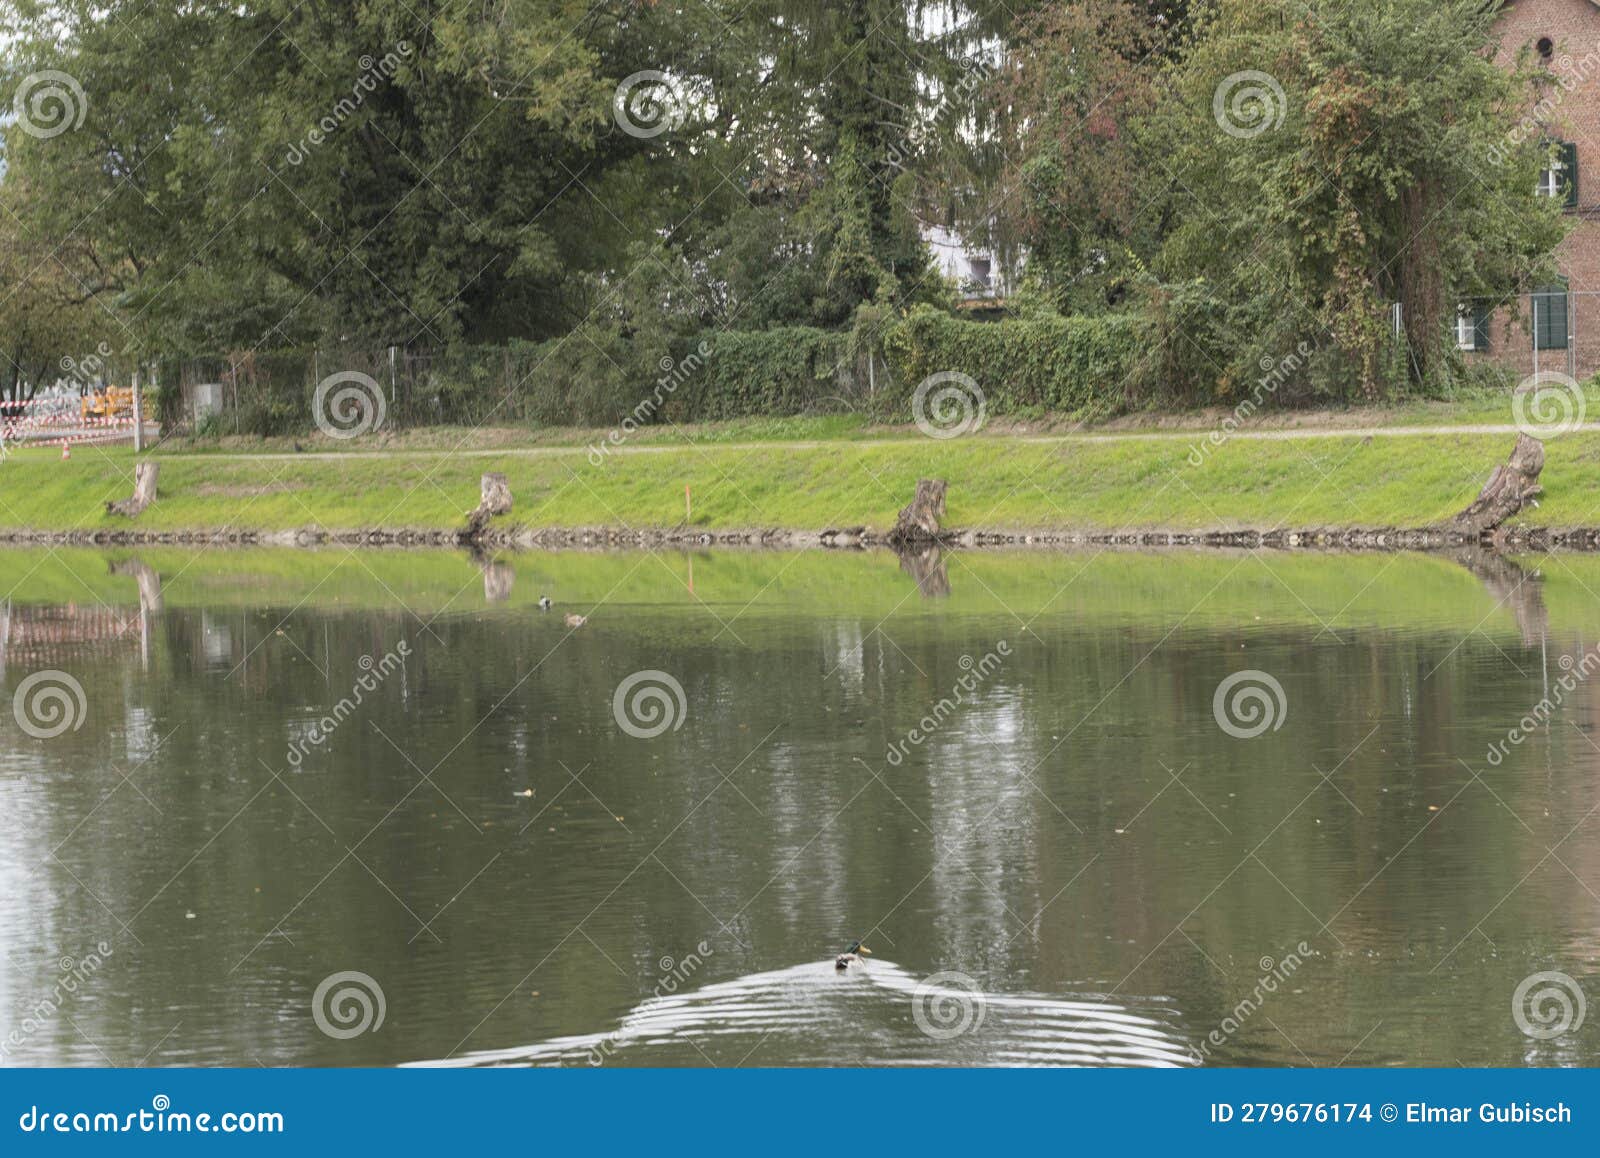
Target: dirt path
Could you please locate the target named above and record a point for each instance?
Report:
(1181, 436)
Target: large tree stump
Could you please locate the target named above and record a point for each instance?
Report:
(1509, 488)
(919, 521)
(144, 491)
(494, 499)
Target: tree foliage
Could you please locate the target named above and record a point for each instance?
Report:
(1245, 176)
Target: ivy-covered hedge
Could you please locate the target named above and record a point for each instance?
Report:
(605, 377)
(740, 373)
(1064, 364)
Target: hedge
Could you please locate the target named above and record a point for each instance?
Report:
(1064, 364)
(742, 373)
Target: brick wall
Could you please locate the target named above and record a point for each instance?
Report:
(1573, 28)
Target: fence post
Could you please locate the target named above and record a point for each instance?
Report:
(394, 399)
(138, 414)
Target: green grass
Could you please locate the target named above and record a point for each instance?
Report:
(995, 482)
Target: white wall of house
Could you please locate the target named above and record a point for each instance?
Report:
(977, 271)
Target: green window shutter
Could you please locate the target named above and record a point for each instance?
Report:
(1569, 172)
(1550, 319)
(1480, 326)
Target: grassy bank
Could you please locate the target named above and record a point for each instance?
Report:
(999, 481)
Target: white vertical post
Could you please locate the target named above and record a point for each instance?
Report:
(1572, 334)
(138, 414)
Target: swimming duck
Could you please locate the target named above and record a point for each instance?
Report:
(851, 956)
(544, 603)
(577, 620)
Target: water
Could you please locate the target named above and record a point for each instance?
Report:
(1069, 861)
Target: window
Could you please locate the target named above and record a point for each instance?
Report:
(1560, 178)
(1549, 306)
(1472, 326)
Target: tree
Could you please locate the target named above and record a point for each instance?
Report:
(272, 172)
(1334, 157)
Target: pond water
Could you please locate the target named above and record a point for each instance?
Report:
(339, 809)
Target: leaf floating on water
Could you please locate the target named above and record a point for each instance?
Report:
(526, 792)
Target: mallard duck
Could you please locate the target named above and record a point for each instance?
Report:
(851, 956)
(544, 603)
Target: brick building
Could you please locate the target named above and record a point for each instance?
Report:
(1559, 327)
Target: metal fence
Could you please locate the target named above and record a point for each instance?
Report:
(1547, 331)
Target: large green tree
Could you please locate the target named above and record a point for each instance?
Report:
(400, 170)
(1330, 158)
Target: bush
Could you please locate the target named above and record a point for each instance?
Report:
(603, 376)
(1059, 364)
(780, 372)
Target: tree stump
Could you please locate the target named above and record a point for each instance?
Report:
(1509, 488)
(494, 498)
(144, 491)
(919, 521)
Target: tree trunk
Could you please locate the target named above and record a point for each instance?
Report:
(1421, 281)
(494, 499)
(144, 491)
(1509, 488)
(919, 522)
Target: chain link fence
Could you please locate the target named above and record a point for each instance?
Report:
(570, 382)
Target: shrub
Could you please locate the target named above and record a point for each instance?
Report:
(1059, 364)
(780, 372)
